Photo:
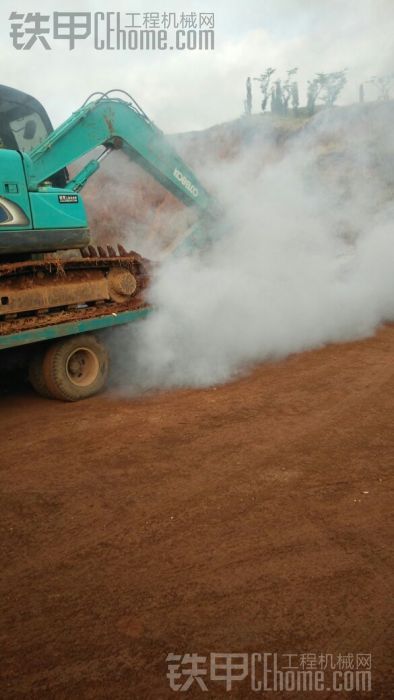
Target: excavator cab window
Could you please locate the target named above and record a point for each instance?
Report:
(28, 131)
(24, 124)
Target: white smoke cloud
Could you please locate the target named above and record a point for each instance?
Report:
(308, 258)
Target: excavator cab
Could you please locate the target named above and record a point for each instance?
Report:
(24, 124)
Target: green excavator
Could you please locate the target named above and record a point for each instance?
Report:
(51, 302)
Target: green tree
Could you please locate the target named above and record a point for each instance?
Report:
(248, 101)
(383, 85)
(289, 91)
(325, 87)
(295, 100)
(313, 91)
(277, 104)
(265, 80)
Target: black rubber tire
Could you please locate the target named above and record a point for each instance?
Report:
(36, 374)
(88, 355)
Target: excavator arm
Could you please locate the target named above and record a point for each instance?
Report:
(114, 123)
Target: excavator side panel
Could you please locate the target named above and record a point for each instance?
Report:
(56, 208)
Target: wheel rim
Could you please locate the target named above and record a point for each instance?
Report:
(82, 367)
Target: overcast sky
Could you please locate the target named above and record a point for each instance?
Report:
(184, 90)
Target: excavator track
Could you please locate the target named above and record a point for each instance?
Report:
(52, 290)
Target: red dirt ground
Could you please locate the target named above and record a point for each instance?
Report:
(233, 519)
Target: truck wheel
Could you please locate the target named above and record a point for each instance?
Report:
(36, 375)
(75, 368)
